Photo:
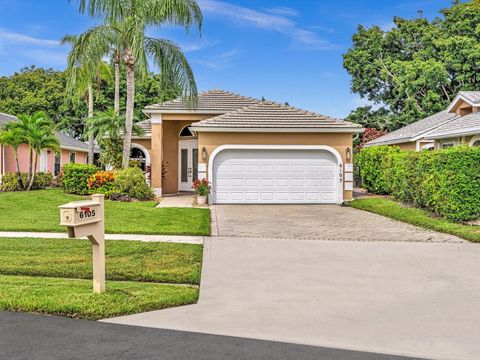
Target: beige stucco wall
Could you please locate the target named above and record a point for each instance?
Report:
(164, 148)
(339, 141)
(410, 145)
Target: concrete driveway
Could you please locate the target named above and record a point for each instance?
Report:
(416, 298)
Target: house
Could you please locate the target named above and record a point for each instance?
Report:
(458, 124)
(251, 151)
(71, 151)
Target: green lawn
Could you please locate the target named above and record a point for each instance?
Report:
(414, 216)
(38, 211)
(74, 298)
(125, 260)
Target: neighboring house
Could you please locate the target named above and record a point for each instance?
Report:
(458, 124)
(71, 151)
(251, 151)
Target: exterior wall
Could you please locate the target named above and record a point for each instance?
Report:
(24, 159)
(438, 143)
(339, 141)
(411, 145)
(164, 148)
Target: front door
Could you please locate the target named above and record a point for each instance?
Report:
(187, 164)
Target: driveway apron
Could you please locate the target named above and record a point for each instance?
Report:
(388, 288)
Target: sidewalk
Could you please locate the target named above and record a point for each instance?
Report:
(131, 237)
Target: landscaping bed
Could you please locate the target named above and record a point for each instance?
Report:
(38, 211)
(419, 217)
(74, 298)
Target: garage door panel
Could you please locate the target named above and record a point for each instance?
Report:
(275, 176)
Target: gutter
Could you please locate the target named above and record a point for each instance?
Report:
(198, 129)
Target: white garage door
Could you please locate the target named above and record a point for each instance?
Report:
(249, 176)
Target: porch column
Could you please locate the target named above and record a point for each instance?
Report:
(157, 154)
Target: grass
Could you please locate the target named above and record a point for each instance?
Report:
(74, 298)
(418, 217)
(125, 260)
(38, 211)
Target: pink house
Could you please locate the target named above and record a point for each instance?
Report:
(71, 151)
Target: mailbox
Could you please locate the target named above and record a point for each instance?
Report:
(86, 218)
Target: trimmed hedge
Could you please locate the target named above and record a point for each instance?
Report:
(75, 178)
(373, 163)
(446, 182)
(10, 183)
(132, 182)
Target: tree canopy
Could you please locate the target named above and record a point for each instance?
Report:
(36, 89)
(416, 68)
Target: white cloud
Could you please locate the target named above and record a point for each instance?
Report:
(266, 21)
(283, 11)
(17, 38)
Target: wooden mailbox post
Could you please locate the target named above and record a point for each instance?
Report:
(86, 218)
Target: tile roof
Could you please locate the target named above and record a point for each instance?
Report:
(146, 125)
(212, 101)
(273, 115)
(459, 126)
(409, 132)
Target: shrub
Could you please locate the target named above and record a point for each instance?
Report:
(132, 182)
(9, 181)
(446, 182)
(372, 163)
(102, 182)
(75, 178)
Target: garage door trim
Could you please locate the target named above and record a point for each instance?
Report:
(280, 147)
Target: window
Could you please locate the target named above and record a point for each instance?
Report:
(73, 157)
(185, 132)
(57, 164)
(476, 143)
(448, 145)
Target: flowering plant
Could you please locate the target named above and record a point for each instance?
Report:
(201, 187)
(100, 178)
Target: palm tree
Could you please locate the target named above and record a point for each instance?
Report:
(14, 137)
(38, 132)
(125, 23)
(108, 128)
(41, 137)
(80, 79)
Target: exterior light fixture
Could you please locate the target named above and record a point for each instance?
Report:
(204, 153)
(348, 154)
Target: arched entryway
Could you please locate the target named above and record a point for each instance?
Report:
(140, 154)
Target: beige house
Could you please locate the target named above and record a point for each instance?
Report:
(251, 151)
(459, 124)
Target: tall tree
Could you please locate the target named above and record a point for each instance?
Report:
(125, 24)
(81, 75)
(416, 68)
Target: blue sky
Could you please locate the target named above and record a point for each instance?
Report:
(285, 50)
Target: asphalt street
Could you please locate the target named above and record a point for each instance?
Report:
(38, 337)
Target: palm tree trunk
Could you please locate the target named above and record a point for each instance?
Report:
(116, 102)
(30, 165)
(127, 141)
(19, 174)
(32, 179)
(91, 144)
